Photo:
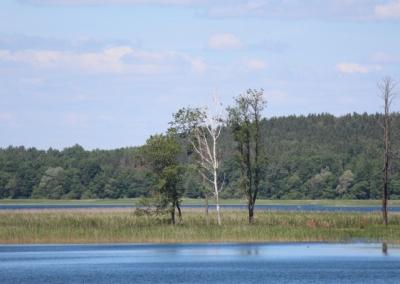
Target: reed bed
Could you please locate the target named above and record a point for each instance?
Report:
(124, 226)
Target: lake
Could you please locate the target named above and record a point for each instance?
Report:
(200, 263)
(273, 207)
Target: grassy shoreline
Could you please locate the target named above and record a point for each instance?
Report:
(188, 201)
(123, 226)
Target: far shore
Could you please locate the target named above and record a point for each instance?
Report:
(192, 201)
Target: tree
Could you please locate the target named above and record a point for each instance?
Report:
(345, 182)
(245, 123)
(203, 128)
(386, 87)
(320, 186)
(51, 184)
(161, 152)
(298, 147)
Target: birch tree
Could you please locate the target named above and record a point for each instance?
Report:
(386, 87)
(203, 127)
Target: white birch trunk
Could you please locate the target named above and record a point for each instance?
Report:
(206, 146)
(215, 173)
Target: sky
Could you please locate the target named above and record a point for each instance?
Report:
(110, 73)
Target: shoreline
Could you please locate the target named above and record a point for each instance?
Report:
(200, 202)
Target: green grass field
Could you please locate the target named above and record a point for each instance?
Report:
(188, 201)
(123, 226)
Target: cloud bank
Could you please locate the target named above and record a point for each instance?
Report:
(353, 68)
(113, 60)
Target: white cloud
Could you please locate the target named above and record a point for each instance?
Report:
(390, 10)
(293, 9)
(298, 9)
(198, 65)
(114, 60)
(95, 2)
(241, 8)
(352, 68)
(224, 41)
(108, 60)
(255, 64)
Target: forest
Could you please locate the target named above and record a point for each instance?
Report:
(318, 156)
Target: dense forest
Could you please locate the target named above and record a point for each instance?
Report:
(307, 157)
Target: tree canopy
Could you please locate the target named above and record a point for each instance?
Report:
(309, 157)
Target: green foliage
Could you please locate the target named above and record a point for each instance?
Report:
(161, 153)
(308, 157)
(51, 184)
(245, 124)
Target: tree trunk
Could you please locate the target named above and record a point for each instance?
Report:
(251, 213)
(385, 194)
(217, 206)
(386, 87)
(206, 209)
(179, 212)
(173, 214)
(249, 173)
(215, 176)
(257, 170)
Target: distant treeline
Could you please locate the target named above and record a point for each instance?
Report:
(308, 157)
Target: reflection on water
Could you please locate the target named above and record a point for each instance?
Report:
(249, 251)
(384, 248)
(272, 207)
(201, 263)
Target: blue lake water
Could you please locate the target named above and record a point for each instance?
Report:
(199, 263)
(294, 207)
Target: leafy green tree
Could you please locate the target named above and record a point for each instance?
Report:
(292, 187)
(345, 182)
(245, 123)
(321, 186)
(51, 185)
(161, 152)
(4, 177)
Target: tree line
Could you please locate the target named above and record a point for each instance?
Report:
(318, 156)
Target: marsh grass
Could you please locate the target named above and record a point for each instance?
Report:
(123, 226)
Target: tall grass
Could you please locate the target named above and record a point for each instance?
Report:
(121, 226)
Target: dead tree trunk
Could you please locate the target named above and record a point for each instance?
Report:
(386, 87)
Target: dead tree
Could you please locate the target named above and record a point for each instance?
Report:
(386, 87)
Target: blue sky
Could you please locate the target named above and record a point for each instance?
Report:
(109, 73)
